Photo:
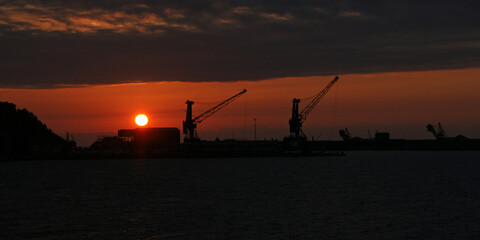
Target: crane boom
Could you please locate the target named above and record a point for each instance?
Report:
(316, 100)
(298, 118)
(439, 134)
(215, 109)
(190, 124)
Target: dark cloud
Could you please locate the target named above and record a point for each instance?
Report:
(58, 43)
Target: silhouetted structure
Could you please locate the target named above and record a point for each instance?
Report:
(152, 138)
(382, 141)
(382, 136)
(297, 137)
(345, 134)
(440, 133)
(190, 123)
(112, 144)
(296, 121)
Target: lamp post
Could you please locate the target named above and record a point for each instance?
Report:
(255, 129)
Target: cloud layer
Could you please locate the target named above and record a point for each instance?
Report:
(63, 43)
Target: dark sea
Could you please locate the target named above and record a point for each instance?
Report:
(364, 195)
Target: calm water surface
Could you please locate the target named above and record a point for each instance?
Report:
(365, 195)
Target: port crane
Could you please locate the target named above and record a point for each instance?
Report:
(345, 134)
(191, 122)
(298, 118)
(440, 134)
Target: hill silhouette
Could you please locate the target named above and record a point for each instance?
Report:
(22, 134)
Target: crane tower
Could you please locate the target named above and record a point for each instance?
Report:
(298, 118)
(190, 123)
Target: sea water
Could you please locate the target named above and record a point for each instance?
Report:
(364, 195)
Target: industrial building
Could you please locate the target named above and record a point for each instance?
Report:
(152, 138)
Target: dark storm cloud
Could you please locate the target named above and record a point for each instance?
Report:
(58, 43)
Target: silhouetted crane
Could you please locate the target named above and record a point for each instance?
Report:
(298, 118)
(190, 123)
(440, 134)
(345, 134)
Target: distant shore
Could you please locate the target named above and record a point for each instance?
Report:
(234, 148)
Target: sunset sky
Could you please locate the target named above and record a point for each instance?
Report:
(88, 67)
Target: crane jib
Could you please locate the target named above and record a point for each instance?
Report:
(215, 109)
(316, 100)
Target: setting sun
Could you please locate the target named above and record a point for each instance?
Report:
(141, 120)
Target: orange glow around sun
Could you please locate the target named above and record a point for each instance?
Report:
(141, 120)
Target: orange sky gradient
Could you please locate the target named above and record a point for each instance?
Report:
(400, 103)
